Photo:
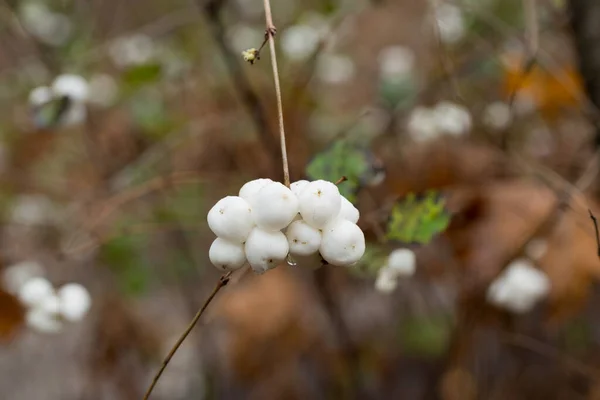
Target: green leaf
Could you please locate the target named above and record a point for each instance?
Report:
(341, 159)
(425, 336)
(141, 75)
(123, 256)
(417, 219)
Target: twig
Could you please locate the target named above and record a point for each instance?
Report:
(595, 221)
(270, 34)
(224, 280)
(341, 180)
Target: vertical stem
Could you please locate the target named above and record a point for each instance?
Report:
(270, 33)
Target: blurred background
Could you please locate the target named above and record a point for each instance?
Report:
(468, 131)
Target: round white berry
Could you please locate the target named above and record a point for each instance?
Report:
(226, 255)
(40, 96)
(75, 301)
(298, 186)
(265, 249)
(402, 262)
(34, 291)
(320, 203)
(274, 207)
(250, 189)
(50, 304)
(343, 243)
(72, 86)
(348, 211)
(303, 239)
(231, 219)
(386, 281)
(42, 321)
(15, 276)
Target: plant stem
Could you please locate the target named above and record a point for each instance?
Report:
(224, 280)
(270, 34)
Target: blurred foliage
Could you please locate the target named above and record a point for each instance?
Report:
(124, 256)
(398, 93)
(417, 219)
(425, 335)
(139, 75)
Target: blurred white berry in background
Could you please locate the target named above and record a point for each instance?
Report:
(73, 86)
(103, 90)
(320, 203)
(132, 50)
(335, 68)
(422, 124)
(242, 36)
(35, 291)
(274, 206)
(402, 262)
(299, 42)
(16, 275)
(396, 62)
(303, 239)
(450, 23)
(226, 255)
(49, 27)
(43, 322)
(74, 301)
(250, 189)
(231, 219)
(519, 287)
(265, 249)
(386, 281)
(32, 210)
(536, 248)
(452, 118)
(343, 243)
(497, 115)
(40, 96)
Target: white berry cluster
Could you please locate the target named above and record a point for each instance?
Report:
(400, 263)
(267, 221)
(519, 287)
(47, 308)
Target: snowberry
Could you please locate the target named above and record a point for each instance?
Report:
(226, 255)
(231, 219)
(386, 281)
(298, 186)
(75, 301)
(402, 262)
(519, 287)
(348, 211)
(49, 304)
(265, 249)
(42, 321)
(320, 203)
(73, 86)
(250, 189)
(303, 239)
(40, 96)
(274, 206)
(34, 291)
(15, 276)
(343, 243)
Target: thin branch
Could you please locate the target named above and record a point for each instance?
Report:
(224, 280)
(270, 34)
(595, 221)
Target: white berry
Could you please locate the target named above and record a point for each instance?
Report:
(231, 219)
(402, 262)
(34, 291)
(320, 203)
(348, 211)
(250, 189)
(303, 239)
(226, 255)
(343, 243)
(386, 281)
(72, 86)
(298, 186)
(15, 276)
(42, 321)
(75, 301)
(265, 249)
(274, 207)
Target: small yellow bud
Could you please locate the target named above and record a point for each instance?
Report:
(251, 55)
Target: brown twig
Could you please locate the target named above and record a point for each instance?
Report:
(595, 221)
(341, 180)
(270, 34)
(224, 280)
